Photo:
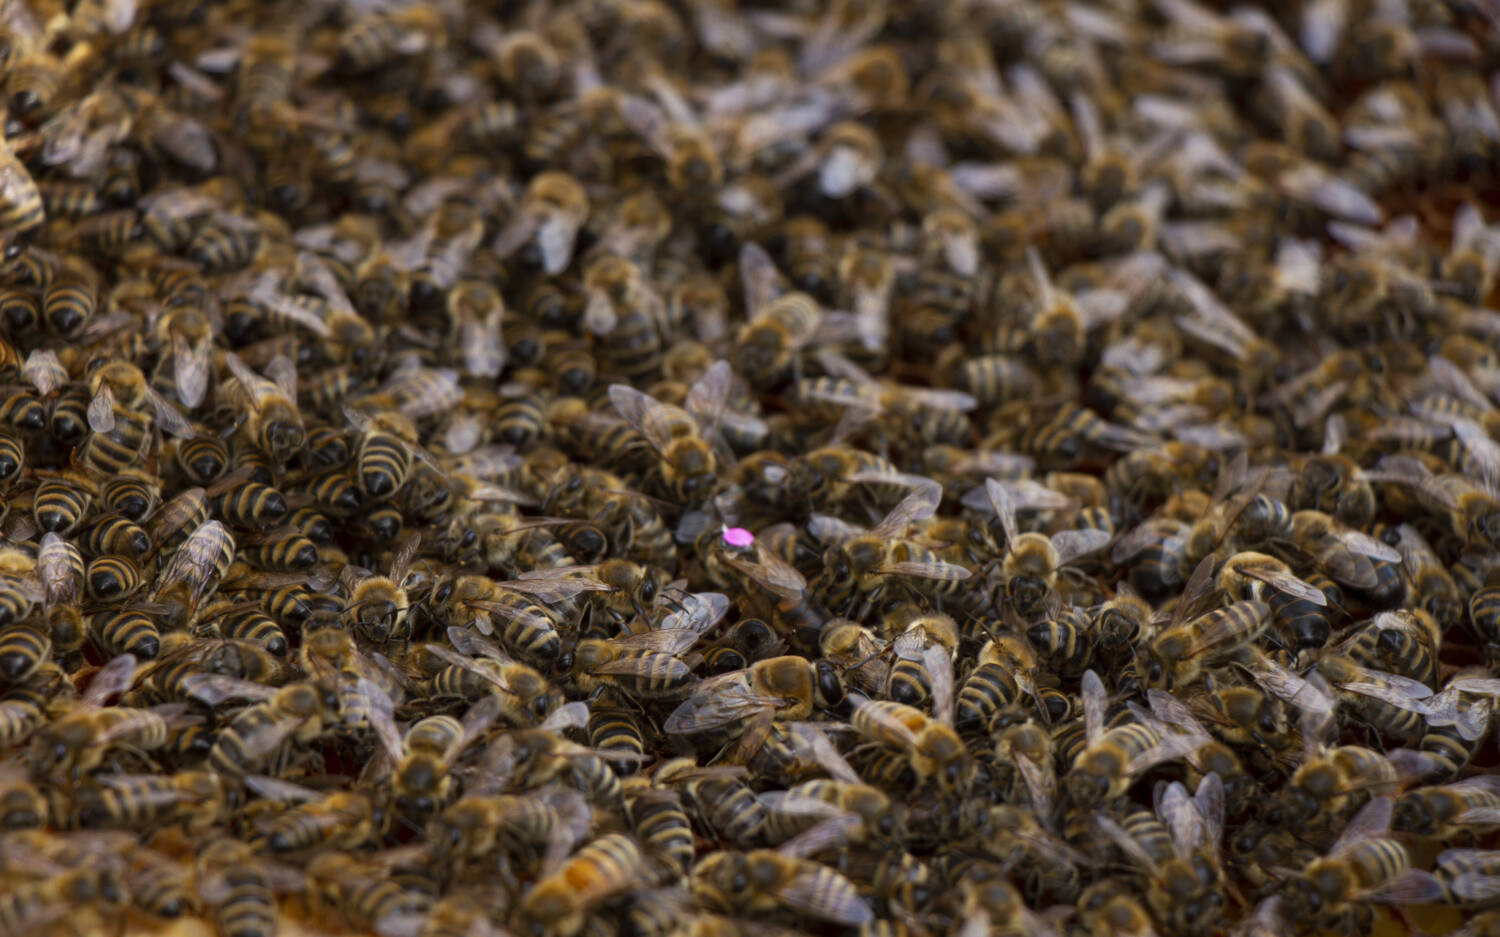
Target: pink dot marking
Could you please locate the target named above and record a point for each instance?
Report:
(738, 537)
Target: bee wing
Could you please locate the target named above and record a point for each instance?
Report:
(717, 702)
(1287, 583)
(277, 789)
(555, 237)
(475, 645)
(709, 395)
(1183, 819)
(101, 412)
(1373, 820)
(1005, 508)
(1465, 886)
(264, 739)
(1288, 687)
(1198, 585)
(1483, 451)
(698, 612)
(44, 371)
(1139, 539)
(1041, 785)
(1413, 886)
(1172, 711)
(381, 713)
(920, 504)
(887, 723)
(1095, 702)
(1387, 689)
(646, 666)
(553, 589)
(1072, 544)
(458, 660)
(948, 572)
(772, 572)
(810, 737)
(794, 804)
(1170, 748)
(671, 642)
(599, 315)
(190, 368)
(113, 678)
(645, 413)
(939, 666)
(516, 231)
(1330, 194)
(574, 715)
(761, 280)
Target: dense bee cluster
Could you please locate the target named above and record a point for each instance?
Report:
(696, 469)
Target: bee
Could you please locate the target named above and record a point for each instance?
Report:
(1472, 261)
(126, 631)
(768, 880)
(1112, 759)
(268, 409)
(778, 327)
(21, 205)
(743, 704)
(251, 739)
(1362, 866)
(552, 212)
(1442, 811)
(526, 695)
(558, 902)
(63, 891)
(527, 628)
(1176, 654)
(74, 743)
(1183, 877)
(237, 888)
(377, 605)
(857, 564)
(337, 820)
(1032, 560)
(646, 665)
(24, 646)
(687, 459)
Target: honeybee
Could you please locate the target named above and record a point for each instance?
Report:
(1178, 652)
(526, 695)
(252, 738)
(742, 704)
(1032, 560)
(681, 437)
(377, 605)
(553, 211)
(1472, 804)
(558, 903)
(779, 323)
(269, 409)
(76, 742)
(857, 563)
(1363, 866)
(1112, 759)
(766, 880)
(237, 887)
(338, 820)
(1183, 890)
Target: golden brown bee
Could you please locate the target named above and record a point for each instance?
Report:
(742, 704)
(558, 902)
